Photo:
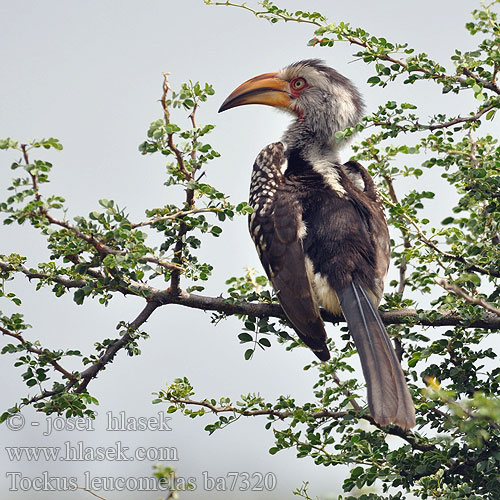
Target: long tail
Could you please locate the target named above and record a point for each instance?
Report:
(388, 397)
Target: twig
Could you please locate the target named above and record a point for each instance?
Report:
(323, 414)
(183, 228)
(91, 372)
(170, 137)
(262, 13)
(91, 492)
(468, 298)
(462, 119)
(66, 282)
(458, 258)
(167, 265)
(485, 83)
(346, 392)
(419, 126)
(406, 242)
(177, 215)
(435, 75)
(399, 62)
(39, 352)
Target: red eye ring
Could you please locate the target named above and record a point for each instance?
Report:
(298, 84)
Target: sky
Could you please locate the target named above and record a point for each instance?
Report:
(89, 73)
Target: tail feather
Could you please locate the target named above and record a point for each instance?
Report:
(388, 397)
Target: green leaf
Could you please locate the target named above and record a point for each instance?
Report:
(265, 342)
(245, 337)
(106, 203)
(374, 80)
(490, 114)
(79, 296)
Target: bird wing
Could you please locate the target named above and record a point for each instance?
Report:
(388, 397)
(276, 228)
(374, 219)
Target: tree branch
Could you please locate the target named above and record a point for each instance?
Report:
(260, 310)
(39, 352)
(415, 126)
(263, 13)
(408, 436)
(177, 215)
(101, 248)
(93, 370)
(485, 83)
(458, 258)
(66, 282)
(183, 228)
(468, 298)
(170, 137)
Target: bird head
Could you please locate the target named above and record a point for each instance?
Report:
(321, 99)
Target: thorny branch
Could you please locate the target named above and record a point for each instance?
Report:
(262, 13)
(458, 258)
(322, 22)
(101, 248)
(82, 380)
(164, 297)
(39, 352)
(67, 282)
(468, 298)
(317, 415)
(170, 137)
(189, 202)
(490, 85)
(416, 125)
(406, 241)
(262, 310)
(92, 371)
(412, 438)
(177, 215)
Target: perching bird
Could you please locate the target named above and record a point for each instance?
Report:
(319, 226)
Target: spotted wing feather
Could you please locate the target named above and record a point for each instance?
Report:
(276, 228)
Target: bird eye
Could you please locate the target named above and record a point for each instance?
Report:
(298, 83)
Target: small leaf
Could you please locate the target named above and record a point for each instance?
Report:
(245, 337)
(265, 342)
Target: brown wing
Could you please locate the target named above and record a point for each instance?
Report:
(377, 224)
(276, 227)
(389, 399)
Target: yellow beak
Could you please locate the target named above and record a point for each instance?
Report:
(263, 89)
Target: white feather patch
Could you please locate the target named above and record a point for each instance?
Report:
(284, 166)
(324, 294)
(330, 174)
(302, 230)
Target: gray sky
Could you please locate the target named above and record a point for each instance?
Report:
(89, 73)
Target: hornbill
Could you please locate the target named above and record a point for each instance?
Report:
(319, 226)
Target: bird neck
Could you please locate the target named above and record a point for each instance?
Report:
(312, 140)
